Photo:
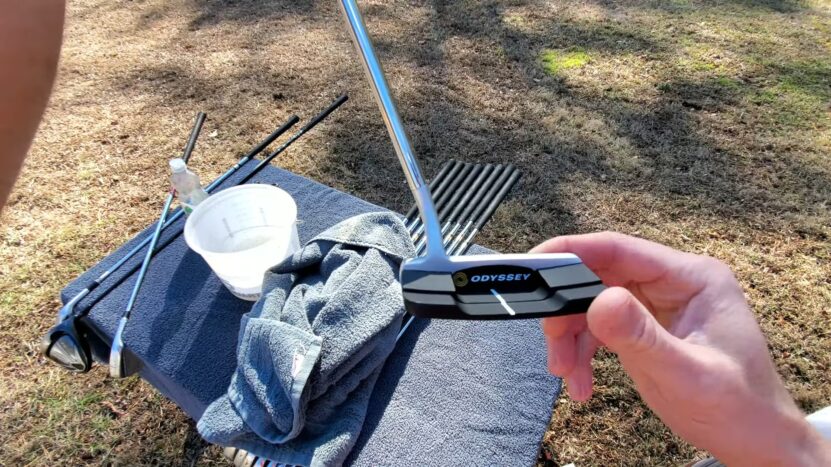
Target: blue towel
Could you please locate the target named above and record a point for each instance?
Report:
(312, 347)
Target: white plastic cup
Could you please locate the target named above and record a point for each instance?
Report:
(242, 232)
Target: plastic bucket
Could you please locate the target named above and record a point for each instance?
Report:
(242, 232)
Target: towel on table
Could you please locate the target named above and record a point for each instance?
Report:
(311, 349)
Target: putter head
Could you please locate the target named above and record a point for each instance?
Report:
(517, 286)
(116, 363)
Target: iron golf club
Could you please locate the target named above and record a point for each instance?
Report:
(67, 310)
(469, 287)
(117, 369)
(257, 169)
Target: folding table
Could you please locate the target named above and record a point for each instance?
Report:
(452, 393)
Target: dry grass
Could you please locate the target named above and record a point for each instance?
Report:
(701, 124)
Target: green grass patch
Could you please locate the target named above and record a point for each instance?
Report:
(555, 61)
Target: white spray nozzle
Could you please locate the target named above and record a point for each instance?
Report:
(178, 165)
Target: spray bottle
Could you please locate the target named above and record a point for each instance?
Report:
(186, 183)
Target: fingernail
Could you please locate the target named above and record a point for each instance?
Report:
(577, 390)
(552, 360)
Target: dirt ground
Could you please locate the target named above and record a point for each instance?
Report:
(701, 124)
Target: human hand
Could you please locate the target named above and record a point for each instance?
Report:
(684, 333)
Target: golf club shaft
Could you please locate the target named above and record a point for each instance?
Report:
(453, 201)
(439, 192)
(463, 206)
(433, 184)
(490, 211)
(451, 191)
(312, 123)
(421, 191)
(473, 204)
(484, 202)
(194, 134)
(67, 309)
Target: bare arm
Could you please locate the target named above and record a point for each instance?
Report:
(30, 41)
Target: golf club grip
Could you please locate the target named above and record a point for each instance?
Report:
(433, 184)
(471, 192)
(480, 194)
(500, 196)
(274, 135)
(194, 134)
(340, 100)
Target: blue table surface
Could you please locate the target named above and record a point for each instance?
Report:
(452, 392)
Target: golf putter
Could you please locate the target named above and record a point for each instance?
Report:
(512, 286)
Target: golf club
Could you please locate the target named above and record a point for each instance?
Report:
(116, 366)
(462, 218)
(439, 192)
(470, 287)
(458, 206)
(67, 310)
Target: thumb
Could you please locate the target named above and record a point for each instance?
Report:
(624, 325)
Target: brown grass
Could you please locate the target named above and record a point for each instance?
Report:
(701, 124)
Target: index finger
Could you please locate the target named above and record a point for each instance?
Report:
(620, 260)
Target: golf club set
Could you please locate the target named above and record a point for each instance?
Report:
(68, 343)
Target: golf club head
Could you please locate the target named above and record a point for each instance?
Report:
(116, 363)
(516, 286)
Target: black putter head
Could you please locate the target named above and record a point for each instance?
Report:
(498, 286)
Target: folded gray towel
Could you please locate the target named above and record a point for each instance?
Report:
(312, 347)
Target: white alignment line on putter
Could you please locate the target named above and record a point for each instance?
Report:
(458, 287)
(68, 309)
